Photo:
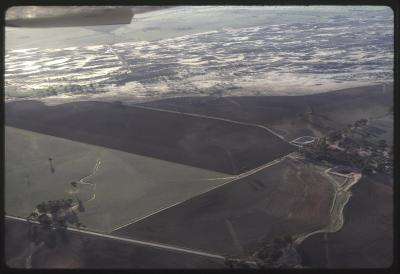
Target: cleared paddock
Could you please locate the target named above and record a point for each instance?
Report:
(128, 186)
(290, 197)
(202, 142)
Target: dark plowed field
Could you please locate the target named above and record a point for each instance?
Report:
(205, 143)
(288, 198)
(86, 251)
(366, 239)
(292, 116)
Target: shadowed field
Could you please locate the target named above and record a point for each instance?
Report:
(200, 142)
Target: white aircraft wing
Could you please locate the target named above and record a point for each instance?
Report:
(70, 16)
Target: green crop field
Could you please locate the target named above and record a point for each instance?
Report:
(124, 188)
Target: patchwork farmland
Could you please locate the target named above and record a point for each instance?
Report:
(176, 179)
(289, 197)
(213, 144)
(128, 186)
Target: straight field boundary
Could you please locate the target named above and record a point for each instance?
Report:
(215, 118)
(139, 242)
(235, 178)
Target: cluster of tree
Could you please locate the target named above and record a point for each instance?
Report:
(357, 124)
(349, 155)
(53, 217)
(54, 206)
(237, 263)
(335, 135)
(360, 123)
(269, 255)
